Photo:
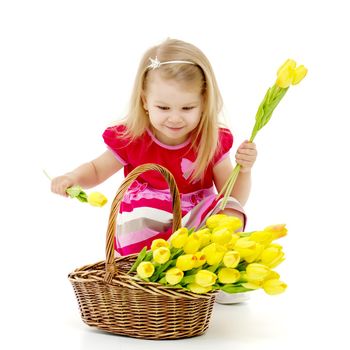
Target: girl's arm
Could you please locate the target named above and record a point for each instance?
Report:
(88, 174)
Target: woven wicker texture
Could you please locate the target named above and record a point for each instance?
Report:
(116, 302)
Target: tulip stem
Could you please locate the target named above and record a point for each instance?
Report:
(47, 175)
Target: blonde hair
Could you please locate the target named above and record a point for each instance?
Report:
(205, 136)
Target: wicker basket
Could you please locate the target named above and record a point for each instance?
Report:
(116, 302)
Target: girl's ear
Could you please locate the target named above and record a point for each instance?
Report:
(144, 101)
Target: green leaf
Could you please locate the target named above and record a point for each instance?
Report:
(230, 288)
(139, 259)
(188, 279)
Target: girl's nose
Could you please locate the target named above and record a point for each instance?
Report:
(175, 118)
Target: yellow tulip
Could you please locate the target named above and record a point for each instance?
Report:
(179, 237)
(201, 259)
(174, 276)
(255, 254)
(214, 220)
(192, 244)
(157, 243)
(196, 288)
(252, 285)
(186, 262)
(97, 199)
(231, 244)
(205, 278)
(272, 255)
(145, 269)
(245, 247)
(285, 74)
(274, 286)
(277, 231)
(214, 253)
(289, 74)
(227, 275)
(262, 237)
(204, 236)
(221, 235)
(257, 272)
(161, 255)
(299, 75)
(231, 258)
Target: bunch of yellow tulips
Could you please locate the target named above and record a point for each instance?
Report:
(215, 257)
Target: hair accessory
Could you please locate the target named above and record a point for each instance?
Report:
(155, 63)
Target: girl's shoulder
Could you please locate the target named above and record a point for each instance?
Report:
(225, 135)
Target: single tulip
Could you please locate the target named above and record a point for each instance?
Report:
(299, 75)
(96, 199)
(214, 220)
(214, 253)
(200, 259)
(257, 272)
(192, 244)
(227, 275)
(161, 255)
(256, 253)
(174, 276)
(157, 243)
(145, 269)
(179, 237)
(221, 235)
(274, 286)
(231, 244)
(277, 231)
(262, 237)
(285, 74)
(272, 255)
(231, 258)
(204, 236)
(196, 288)
(245, 247)
(186, 262)
(205, 278)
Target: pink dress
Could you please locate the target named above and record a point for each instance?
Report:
(146, 209)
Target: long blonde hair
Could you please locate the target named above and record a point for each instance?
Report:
(205, 137)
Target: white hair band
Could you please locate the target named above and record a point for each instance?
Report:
(155, 63)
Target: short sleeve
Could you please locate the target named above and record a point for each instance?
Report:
(225, 145)
(116, 140)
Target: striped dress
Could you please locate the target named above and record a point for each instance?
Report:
(146, 209)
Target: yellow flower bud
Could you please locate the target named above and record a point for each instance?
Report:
(272, 255)
(274, 286)
(221, 235)
(255, 254)
(192, 244)
(145, 269)
(179, 237)
(227, 275)
(245, 247)
(205, 278)
(214, 220)
(201, 259)
(252, 285)
(196, 288)
(174, 276)
(186, 262)
(97, 199)
(277, 231)
(285, 74)
(204, 235)
(157, 243)
(214, 253)
(231, 244)
(262, 237)
(161, 255)
(257, 272)
(299, 75)
(231, 258)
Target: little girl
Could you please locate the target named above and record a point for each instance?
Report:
(172, 121)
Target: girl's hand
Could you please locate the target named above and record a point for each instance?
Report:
(61, 183)
(246, 156)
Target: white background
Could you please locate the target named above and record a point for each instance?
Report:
(67, 68)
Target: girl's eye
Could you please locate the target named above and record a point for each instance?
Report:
(188, 108)
(163, 108)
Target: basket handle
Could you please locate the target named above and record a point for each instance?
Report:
(111, 267)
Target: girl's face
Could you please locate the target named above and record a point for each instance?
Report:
(174, 108)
